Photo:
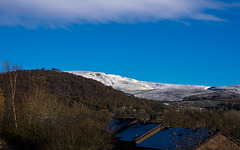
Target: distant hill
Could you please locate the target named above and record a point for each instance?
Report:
(231, 88)
(143, 89)
(157, 91)
(73, 88)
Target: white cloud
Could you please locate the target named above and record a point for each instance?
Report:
(55, 13)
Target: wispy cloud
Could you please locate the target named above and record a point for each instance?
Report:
(55, 13)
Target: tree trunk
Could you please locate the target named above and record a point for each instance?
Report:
(13, 83)
(12, 79)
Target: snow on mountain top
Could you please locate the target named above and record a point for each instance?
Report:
(166, 85)
(153, 90)
(128, 84)
(115, 81)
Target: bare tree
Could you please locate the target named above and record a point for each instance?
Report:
(12, 83)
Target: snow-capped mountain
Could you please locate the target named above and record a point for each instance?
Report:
(117, 82)
(143, 89)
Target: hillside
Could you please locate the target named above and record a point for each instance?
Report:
(143, 89)
(159, 91)
(74, 88)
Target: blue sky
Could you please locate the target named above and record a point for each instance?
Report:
(193, 42)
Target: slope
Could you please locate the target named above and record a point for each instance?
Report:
(143, 89)
(71, 88)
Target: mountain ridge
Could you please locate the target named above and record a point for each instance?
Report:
(153, 90)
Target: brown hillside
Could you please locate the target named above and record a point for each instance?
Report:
(72, 88)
